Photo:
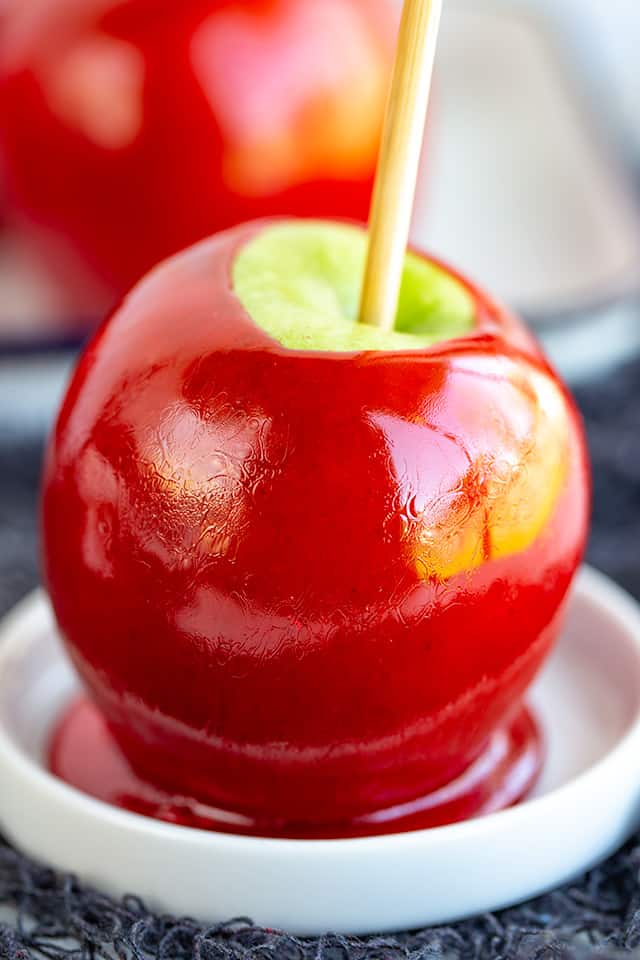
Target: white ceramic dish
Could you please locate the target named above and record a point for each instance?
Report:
(586, 803)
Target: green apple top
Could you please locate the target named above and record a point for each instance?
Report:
(300, 281)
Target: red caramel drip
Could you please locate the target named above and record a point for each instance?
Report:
(84, 755)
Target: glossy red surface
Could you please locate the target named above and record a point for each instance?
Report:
(84, 754)
(129, 129)
(306, 586)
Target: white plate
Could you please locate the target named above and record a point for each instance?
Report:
(586, 804)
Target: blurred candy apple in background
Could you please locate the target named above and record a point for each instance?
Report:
(132, 128)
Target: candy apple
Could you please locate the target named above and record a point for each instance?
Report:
(304, 566)
(130, 128)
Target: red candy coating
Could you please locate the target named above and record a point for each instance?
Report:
(301, 585)
(83, 753)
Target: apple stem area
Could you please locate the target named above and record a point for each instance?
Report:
(398, 163)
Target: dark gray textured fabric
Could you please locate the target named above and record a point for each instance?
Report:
(598, 916)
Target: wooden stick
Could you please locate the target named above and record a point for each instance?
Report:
(397, 173)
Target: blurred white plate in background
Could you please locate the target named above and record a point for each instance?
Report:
(520, 188)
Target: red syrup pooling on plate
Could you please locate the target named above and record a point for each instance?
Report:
(84, 754)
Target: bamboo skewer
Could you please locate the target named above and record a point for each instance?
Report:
(397, 173)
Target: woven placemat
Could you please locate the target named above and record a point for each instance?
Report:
(596, 917)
